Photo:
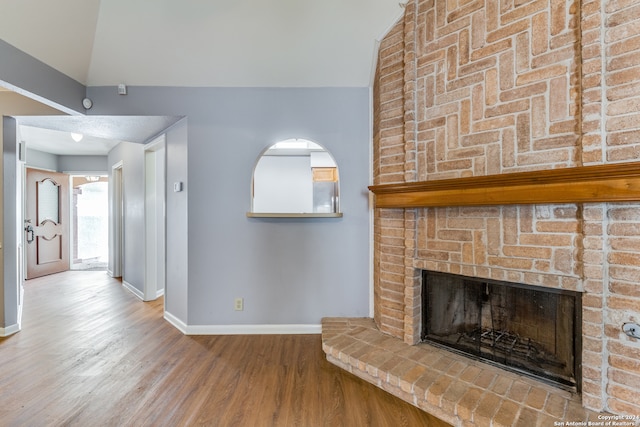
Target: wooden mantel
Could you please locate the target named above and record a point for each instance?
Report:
(585, 184)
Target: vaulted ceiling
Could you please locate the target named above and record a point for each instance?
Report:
(236, 43)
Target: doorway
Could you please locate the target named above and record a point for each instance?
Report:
(89, 222)
(116, 236)
(45, 141)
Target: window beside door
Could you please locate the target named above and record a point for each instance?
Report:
(90, 214)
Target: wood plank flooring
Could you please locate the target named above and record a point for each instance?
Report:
(91, 354)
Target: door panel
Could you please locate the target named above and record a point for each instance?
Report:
(46, 222)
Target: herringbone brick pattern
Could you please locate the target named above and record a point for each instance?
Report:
(496, 87)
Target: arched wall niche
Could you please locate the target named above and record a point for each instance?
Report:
(295, 178)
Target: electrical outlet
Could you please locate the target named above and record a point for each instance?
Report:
(238, 304)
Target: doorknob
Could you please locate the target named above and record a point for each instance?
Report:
(29, 229)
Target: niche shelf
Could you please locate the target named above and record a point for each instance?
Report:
(293, 215)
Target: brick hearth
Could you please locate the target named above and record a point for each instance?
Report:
(456, 389)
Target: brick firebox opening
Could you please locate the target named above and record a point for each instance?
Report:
(529, 330)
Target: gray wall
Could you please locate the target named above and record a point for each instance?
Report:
(289, 271)
(80, 164)
(40, 81)
(177, 232)
(12, 104)
(42, 160)
(132, 157)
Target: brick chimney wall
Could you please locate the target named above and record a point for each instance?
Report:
(388, 166)
(472, 88)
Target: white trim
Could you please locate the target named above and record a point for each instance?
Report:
(116, 219)
(374, 59)
(21, 200)
(21, 239)
(20, 300)
(154, 231)
(133, 289)
(10, 330)
(252, 329)
(159, 293)
(241, 329)
(177, 323)
(87, 172)
(72, 234)
(110, 273)
(371, 210)
(39, 168)
(41, 99)
(156, 143)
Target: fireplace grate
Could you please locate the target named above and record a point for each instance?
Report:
(507, 345)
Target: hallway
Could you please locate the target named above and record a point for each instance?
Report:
(91, 354)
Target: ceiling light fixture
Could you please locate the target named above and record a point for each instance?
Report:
(77, 137)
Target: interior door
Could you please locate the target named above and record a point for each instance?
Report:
(46, 222)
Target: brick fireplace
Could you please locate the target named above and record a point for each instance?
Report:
(494, 87)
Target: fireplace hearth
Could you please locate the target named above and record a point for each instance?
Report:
(527, 329)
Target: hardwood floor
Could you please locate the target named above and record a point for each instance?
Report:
(91, 354)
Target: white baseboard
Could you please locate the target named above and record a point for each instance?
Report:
(20, 316)
(241, 329)
(133, 289)
(159, 293)
(252, 329)
(177, 323)
(110, 273)
(9, 330)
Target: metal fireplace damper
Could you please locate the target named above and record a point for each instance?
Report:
(527, 329)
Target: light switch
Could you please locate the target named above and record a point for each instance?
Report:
(177, 187)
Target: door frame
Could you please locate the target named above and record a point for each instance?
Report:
(155, 218)
(21, 205)
(116, 235)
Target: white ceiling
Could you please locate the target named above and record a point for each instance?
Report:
(138, 129)
(52, 134)
(60, 143)
(241, 43)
